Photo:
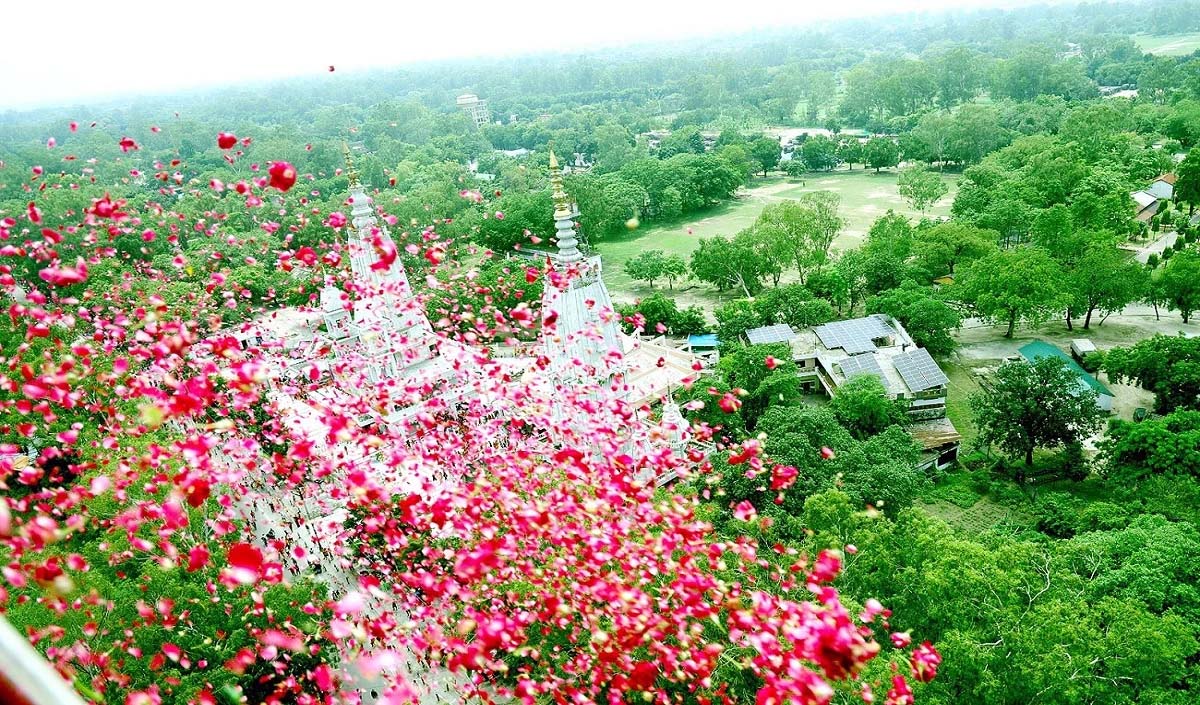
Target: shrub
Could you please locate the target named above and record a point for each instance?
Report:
(688, 320)
(1071, 464)
(1093, 361)
(1056, 515)
(1153, 260)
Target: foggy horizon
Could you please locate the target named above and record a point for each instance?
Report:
(362, 45)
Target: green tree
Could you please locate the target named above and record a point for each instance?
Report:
(746, 368)
(920, 186)
(738, 159)
(792, 304)
(615, 147)
(863, 406)
(880, 471)
(1021, 284)
(688, 320)
(772, 246)
(1030, 405)
(938, 250)
(1187, 180)
(1181, 282)
(850, 150)
(1104, 279)
(682, 141)
(1133, 451)
(881, 152)
(958, 74)
(893, 233)
(606, 203)
(810, 224)
(658, 312)
(765, 151)
(928, 319)
(734, 318)
(524, 214)
(655, 264)
(674, 267)
(1168, 366)
(819, 153)
(726, 264)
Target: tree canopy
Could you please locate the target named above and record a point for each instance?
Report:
(1031, 405)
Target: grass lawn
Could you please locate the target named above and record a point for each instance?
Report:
(865, 196)
(1169, 44)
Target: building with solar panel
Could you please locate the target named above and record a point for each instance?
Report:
(830, 355)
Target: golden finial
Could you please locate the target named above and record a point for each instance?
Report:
(562, 205)
(350, 170)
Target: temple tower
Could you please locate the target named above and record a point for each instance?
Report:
(388, 327)
(584, 341)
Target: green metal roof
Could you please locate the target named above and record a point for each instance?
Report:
(1040, 348)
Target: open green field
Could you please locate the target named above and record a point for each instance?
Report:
(1169, 44)
(865, 196)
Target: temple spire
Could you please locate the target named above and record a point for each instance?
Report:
(350, 170)
(564, 225)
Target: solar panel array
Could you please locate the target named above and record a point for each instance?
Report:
(780, 333)
(864, 364)
(856, 335)
(919, 371)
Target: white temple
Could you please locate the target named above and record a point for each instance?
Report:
(380, 336)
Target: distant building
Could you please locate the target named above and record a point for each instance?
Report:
(1145, 205)
(1040, 348)
(1146, 201)
(1162, 187)
(832, 354)
(475, 108)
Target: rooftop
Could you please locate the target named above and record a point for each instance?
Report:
(858, 335)
(1040, 348)
(781, 333)
(934, 433)
(1144, 198)
(919, 371)
(875, 345)
(654, 369)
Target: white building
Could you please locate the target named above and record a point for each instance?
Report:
(475, 108)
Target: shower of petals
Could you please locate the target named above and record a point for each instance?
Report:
(282, 175)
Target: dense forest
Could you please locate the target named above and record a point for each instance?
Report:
(1048, 118)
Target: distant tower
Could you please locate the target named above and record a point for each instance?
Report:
(584, 342)
(390, 327)
(475, 109)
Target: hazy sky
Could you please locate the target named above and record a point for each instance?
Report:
(68, 51)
